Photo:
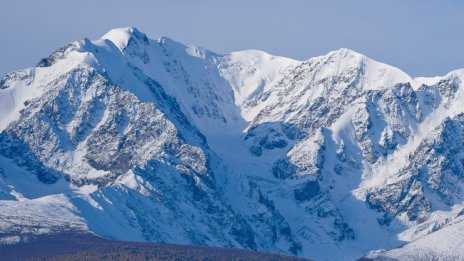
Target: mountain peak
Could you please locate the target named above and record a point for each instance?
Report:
(121, 36)
(345, 55)
(375, 74)
(347, 52)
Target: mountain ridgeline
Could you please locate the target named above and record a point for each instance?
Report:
(132, 138)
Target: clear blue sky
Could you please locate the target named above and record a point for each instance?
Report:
(421, 37)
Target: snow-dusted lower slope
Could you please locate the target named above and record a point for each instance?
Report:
(442, 245)
(152, 140)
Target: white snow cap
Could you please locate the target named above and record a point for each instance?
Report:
(374, 74)
(121, 36)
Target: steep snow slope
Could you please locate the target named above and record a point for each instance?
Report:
(154, 140)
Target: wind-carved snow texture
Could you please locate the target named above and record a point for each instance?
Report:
(152, 140)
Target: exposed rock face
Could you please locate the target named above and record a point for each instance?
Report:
(138, 139)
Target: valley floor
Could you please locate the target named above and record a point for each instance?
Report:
(84, 246)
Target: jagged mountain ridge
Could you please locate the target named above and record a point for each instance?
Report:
(153, 140)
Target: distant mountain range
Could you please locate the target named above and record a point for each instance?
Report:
(138, 139)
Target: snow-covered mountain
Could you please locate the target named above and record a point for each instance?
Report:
(153, 140)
